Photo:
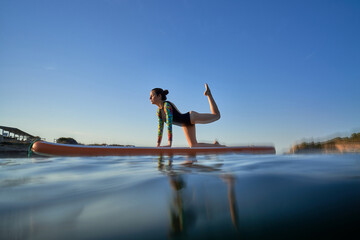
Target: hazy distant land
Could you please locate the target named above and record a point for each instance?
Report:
(335, 145)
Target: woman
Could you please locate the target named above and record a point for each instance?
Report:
(167, 112)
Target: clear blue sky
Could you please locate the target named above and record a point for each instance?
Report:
(280, 71)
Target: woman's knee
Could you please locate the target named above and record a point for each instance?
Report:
(218, 116)
(192, 144)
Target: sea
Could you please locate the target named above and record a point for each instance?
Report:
(227, 196)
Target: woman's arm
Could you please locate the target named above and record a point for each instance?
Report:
(169, 120)
(160, 128)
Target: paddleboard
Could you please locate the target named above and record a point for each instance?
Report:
(55, 149)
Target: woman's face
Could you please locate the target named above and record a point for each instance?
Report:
(154, 99)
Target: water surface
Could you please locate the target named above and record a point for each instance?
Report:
(217, 196)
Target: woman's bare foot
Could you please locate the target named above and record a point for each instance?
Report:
(207, 90)
(218, 144)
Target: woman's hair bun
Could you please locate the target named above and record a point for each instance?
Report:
(160, 91)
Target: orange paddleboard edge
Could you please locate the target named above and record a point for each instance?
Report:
(55, 149)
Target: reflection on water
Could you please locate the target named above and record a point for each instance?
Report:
(182, 210)
(177, 197)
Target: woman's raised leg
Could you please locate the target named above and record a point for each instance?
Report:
(204, 118)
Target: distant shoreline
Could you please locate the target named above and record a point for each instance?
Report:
(336, 145)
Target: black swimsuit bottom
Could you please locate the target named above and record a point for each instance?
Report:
(179, 118)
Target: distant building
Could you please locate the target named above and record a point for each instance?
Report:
(10, 134)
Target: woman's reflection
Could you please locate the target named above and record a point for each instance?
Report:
(230, 180)
(182, 213)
